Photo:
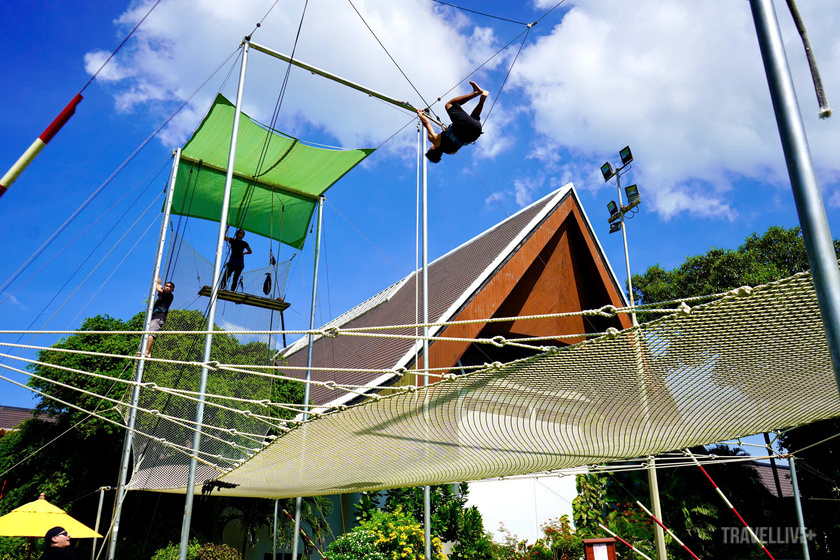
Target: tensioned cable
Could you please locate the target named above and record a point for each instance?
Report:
(375, 248)
(480, 13)
(127, 37)
(510, 69)
(114, 271)
(180, 448)
(257, 438)
(83, 232)
(113, 175)
(388, 53)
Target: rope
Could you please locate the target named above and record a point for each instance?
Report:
(825, 109)
(127, 37)
(107, 181)
(480, 13)
(369, 242)
(388, 53)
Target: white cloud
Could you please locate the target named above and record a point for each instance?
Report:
(684, 85)
(181, 42)
(524, 189)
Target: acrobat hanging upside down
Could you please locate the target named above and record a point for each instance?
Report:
(465, 129)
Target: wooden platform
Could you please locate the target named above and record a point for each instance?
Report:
(246, 299)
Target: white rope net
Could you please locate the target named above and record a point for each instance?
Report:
(754, 361)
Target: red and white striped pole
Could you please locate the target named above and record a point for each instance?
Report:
(730, 506)
(633, 548)
(667, 530)
(38, 145)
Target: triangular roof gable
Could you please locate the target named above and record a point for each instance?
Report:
(456, 279)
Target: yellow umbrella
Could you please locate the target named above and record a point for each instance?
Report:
(36, 518)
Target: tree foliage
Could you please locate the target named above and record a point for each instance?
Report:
(52, 453)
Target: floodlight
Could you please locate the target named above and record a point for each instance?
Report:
(607, 171)
(626, 155)
(613, 208)
(633, 197)
(615, 226)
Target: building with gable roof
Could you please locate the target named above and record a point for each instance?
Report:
(544, 259)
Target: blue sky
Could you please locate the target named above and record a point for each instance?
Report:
(682, 84)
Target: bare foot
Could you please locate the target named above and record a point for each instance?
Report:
(483, 92)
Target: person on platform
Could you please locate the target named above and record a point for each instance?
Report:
(465, 129)
(238, 249)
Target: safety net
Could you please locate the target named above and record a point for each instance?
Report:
(277, 178)
(233, 426)
(753, 361)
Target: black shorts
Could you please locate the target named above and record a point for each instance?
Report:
(464, 127)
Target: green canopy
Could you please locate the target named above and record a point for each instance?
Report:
(277, 179)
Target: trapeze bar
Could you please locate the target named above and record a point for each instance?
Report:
(340, 80)
(246, 299)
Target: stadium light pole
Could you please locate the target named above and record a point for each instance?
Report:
(617, 212)
(616, 221)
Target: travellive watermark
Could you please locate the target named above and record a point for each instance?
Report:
(767, 535)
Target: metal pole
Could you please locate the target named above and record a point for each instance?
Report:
(653, 481)
(298, 502)
(122, 478)
(404, 104)
(626, 256)
(211, 314)
(427, 500)
(274, 540)
(98, 517)
(806, 190)
(658, 533)
(802, 534)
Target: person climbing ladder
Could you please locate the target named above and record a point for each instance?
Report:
(465, 129)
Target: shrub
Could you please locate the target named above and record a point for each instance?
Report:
(356, 545)
(385, 536)
(212, 551)
(170, 551)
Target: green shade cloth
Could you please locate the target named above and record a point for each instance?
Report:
(279, 202)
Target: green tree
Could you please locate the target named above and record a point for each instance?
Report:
(52, 454)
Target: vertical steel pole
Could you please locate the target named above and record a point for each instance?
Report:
(427, 500)
(312, 308)
(138, 375)
(803, 179)
(98, 517)
(658, 533)
(802, 533)
(211, 314)
(626, 256)
(274, 539)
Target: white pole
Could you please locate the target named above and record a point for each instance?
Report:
(427, 502)
(274, 540)
(803, 535)
(211, 314)
(312, 308)
(122, 478)
(98, 517)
